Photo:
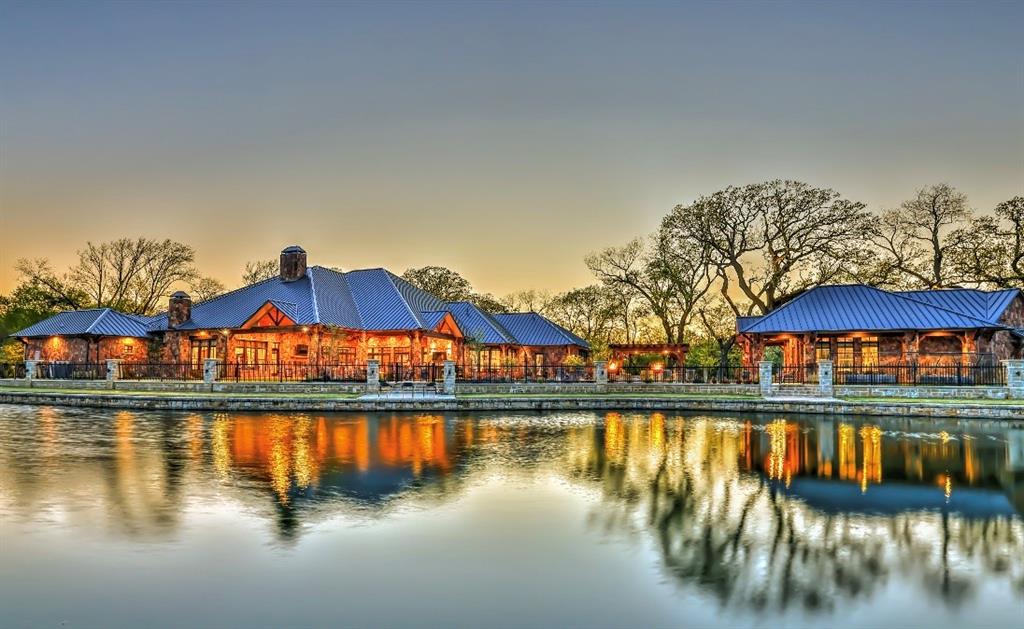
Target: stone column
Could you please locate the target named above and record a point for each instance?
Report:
(825, 378)
(113, 369)
(211, 366)
(1014, 377)
(373, 375)
(30, 369)
(601, 371)
(764, 377)
(449, 377)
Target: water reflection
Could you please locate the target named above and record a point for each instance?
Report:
(758, 513)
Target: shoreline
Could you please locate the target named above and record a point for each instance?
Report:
(968, 409)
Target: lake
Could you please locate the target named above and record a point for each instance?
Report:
(122, 518)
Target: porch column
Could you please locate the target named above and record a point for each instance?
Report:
(601, 371)
(764, 377)
(113, 369)
(1015, 377)
(210, 368)
(449, 377)
(30, 369)
(373, 375)
(825, 377)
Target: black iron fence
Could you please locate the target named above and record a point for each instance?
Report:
(12, 370)
(524, 373)
(292, 372)
(684, 375)
(912, 374)
(159, 371)
(60, 370)
(795, 374)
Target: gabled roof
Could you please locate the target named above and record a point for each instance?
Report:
(93, 322)
(529, 328)
(864, 308)
(367, 299)
(477, 323)
(987, 305)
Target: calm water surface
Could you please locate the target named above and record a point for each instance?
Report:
(114, 518)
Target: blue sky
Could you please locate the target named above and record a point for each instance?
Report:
(505, 140)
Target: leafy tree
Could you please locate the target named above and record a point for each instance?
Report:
(587, 312)
(768, 242)
(31, 302)
(915, 239)
(716, 336)
(989, 251)
(443, 283)
(488, 303)
(530, 300)
(259, 270)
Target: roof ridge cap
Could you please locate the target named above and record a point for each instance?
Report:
(97, 319)
(942, 308)
(313, 299)
(415, 315)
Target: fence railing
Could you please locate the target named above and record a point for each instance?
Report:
(795, 374)
(524, 373)
(12, 370)
(292, 372)
(159, 371)
(685, 375)
(60, 370)
(912, 374)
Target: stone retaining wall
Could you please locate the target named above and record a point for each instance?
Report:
(518, 403)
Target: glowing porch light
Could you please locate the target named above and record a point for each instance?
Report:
(612, 366)
(305, 328)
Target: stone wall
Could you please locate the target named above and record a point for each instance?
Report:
(83, 350)
(1002, 413)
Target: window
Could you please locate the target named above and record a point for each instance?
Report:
(250, 352)
(200, 350)
(844, 352)
(128, 349)
(302, 351)
(869, 352)
(346, 356)
(823, 350)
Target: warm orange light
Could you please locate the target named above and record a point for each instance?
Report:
(305, 328)
(657, 366)
(129, 341)
(612, 366)
(225, 331)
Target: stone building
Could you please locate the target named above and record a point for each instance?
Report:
(305, 315)
(858, 326)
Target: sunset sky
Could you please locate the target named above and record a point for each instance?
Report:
(504, 141)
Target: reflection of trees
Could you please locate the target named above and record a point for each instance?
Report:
(735, 532)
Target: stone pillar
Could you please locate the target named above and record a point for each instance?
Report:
(30, 369)
(449, 377)
(764, 377)
(601, 371)
(113, 369)
(373, 375)
(211, 367)
(1014, 377)
(825, 377)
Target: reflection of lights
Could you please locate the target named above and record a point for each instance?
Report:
(871, 438)
(777, 453)
(220, 445)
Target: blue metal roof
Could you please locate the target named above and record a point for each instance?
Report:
(987, 305)
(864, 308)
(94, 322)
(529, 328)
(477, 323)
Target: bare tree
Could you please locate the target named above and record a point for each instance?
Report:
(58, 293)
(259, 270)
(132, 275)
(204, 288)
(769, 242)
(587, 312)
(914, 239)
(670, 273)
(989, 251)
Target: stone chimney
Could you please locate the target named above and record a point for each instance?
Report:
(179, 310)
(293, 263)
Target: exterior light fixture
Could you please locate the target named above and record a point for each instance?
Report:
(225, 331)
(305, 328)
